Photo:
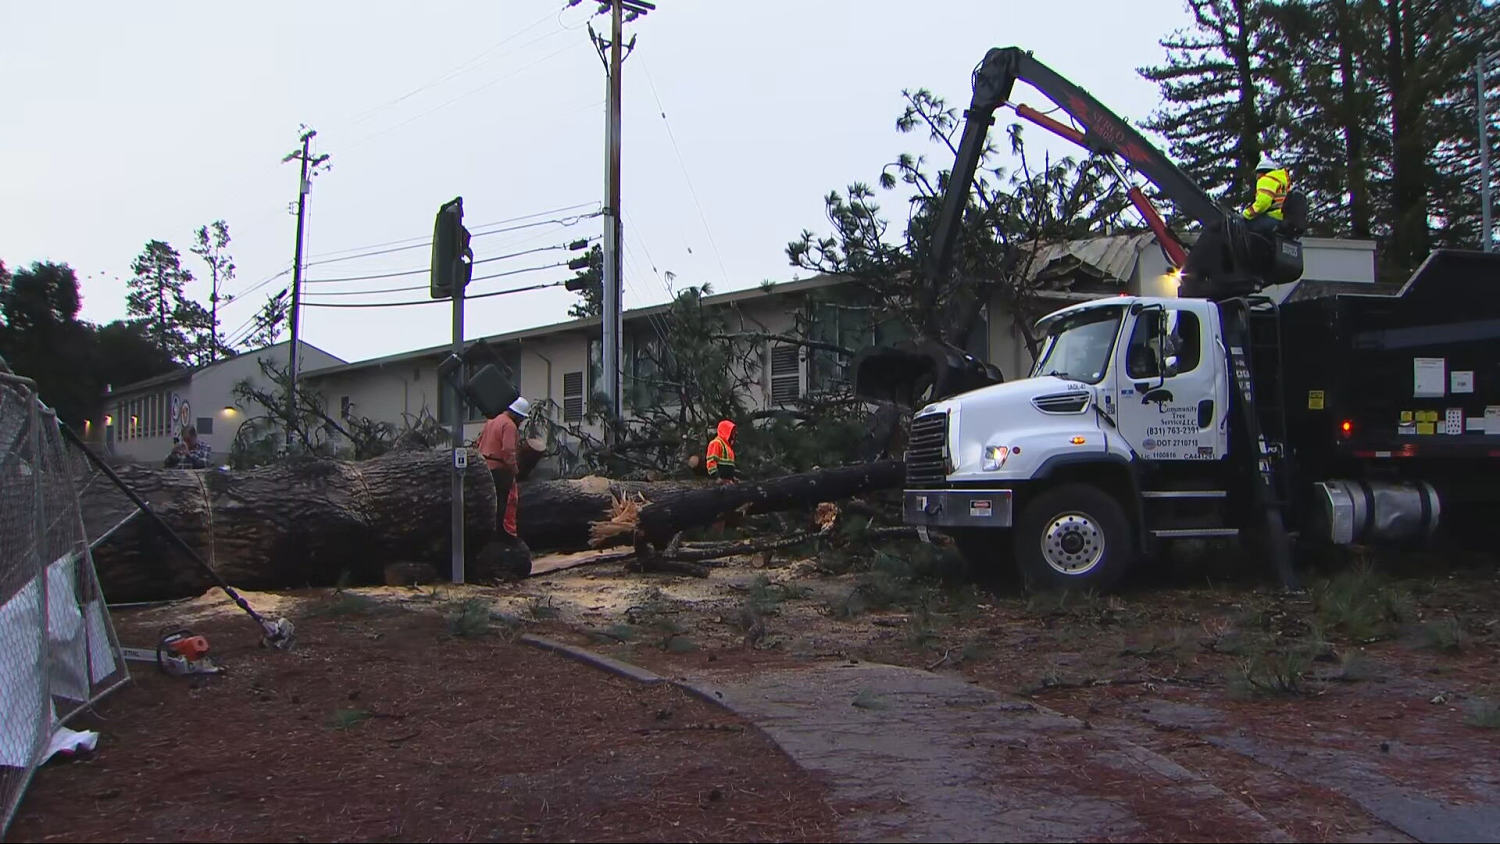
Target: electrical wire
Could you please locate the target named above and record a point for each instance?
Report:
(486, 86)
(560, 221)
(426, 240)
(424, 287)
(425, 270)
(682, 163)
(432, 301)
(454, 72)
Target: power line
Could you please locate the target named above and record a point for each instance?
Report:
(560, 221)
(366, 139)
(424, 270)
(426, 240)
(474, 279)
(258, 285)
(687, 178)
(431, 301)
(456, 71)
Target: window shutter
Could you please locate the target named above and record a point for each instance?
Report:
(572, 396)
(786, 373)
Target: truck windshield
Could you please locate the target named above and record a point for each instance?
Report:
(1079, 346)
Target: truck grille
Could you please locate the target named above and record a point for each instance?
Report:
(925, 455)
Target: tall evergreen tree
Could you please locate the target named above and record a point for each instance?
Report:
(157, 297)
(1222, 81)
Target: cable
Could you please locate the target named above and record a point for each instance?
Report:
(561, 221)
(425, 270)
(258, 285)
(362, 116)
(432, 300)
(427, 240)
(687, 178)
(366, 139)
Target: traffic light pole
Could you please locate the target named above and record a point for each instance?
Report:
(460, 453)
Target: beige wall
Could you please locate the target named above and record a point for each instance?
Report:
(209, 394)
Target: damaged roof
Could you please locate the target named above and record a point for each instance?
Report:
(1104, 259)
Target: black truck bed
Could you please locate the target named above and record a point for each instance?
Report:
(1411, 376)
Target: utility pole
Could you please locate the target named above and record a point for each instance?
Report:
(613, 329)
(1486, 229)
(304, 186)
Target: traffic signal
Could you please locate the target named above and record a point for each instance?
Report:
(452, 259)
(579, 263)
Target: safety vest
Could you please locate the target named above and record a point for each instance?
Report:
(720, 458)
(1270, 194)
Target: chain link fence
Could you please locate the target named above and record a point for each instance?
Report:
(58, 651)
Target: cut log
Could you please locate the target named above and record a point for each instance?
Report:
(557, 515)
(293, 524)
(669, 511)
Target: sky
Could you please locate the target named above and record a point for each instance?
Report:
(124, 122)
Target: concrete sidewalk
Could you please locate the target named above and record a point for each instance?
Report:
(919, 756)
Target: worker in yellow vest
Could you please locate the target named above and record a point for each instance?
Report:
(1271, 186)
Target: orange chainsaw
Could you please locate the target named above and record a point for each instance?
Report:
(177, 653)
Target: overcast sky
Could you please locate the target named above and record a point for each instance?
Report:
(122, 122)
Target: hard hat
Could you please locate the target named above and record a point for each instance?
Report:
(1267, 163)
(521, 407)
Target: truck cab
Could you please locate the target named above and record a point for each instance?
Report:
(1128, 394)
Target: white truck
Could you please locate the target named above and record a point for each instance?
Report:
(1214, 414)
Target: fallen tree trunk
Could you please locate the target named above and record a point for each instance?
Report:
(301, 523)
(557, 515)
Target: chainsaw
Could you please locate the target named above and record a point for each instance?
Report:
(178, 654)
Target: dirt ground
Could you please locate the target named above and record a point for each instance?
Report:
(387, 723)
(1312, 709)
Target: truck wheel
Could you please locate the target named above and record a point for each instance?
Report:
(1073, 537)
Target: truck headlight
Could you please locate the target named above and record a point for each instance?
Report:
(994, 458)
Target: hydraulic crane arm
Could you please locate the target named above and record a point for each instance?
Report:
(1104, 133)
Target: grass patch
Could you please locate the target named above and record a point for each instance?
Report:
(1445, 635)
(471, 620)
(1362, 604)
(867, 699)
(542, 609)
(348, 719)
(1274, 671)
(1483, 713)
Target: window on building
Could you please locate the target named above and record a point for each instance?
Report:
(572, 396)
(205, 426)
(785, 373)
(852, 327)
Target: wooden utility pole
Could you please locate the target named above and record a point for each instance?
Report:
(612, 323)
(304, 186)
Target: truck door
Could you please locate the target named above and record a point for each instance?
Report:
(1171, 395)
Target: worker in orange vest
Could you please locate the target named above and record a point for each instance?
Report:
(499, 443)
(720, 459)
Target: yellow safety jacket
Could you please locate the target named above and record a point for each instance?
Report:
(1270, 194)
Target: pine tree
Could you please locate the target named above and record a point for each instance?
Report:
(156, 296)
(1222, 82)
(211, 243)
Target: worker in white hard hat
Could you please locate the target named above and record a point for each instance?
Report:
(499, 443)
(1271, 186)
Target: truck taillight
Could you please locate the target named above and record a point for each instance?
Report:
(1346, 428)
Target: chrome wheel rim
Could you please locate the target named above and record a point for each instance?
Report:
(1073, 544)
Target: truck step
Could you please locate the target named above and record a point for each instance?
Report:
(1189, 533)
(1185, 493)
